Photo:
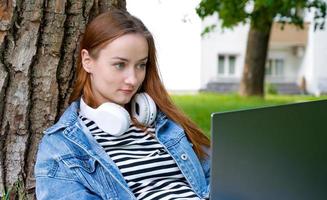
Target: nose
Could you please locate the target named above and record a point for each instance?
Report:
(131, 78)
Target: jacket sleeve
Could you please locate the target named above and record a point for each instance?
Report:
(206, 164)
(53, 179)
(49, 188)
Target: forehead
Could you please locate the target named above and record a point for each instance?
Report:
(132, 44)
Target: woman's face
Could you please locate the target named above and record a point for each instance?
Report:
(119, 70)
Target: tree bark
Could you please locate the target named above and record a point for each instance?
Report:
(38, 52)
(252, 83)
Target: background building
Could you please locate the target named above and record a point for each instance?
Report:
(296, 61)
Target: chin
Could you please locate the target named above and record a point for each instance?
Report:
(123, 101)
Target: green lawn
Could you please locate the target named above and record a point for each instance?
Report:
(200, 106)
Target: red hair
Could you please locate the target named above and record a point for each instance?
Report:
(105, 28)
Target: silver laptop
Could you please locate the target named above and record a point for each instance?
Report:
(272, 153)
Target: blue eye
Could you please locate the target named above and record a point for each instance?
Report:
(142, 66)
(119, 65)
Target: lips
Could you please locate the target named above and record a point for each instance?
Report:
(126, 91)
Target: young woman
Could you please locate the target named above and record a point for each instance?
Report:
(121, 137)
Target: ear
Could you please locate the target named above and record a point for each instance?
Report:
(87, 61)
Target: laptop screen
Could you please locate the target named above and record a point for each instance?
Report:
(277, 153)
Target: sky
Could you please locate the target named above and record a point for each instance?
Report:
(176, 29)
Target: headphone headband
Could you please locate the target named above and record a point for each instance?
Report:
(115, 120)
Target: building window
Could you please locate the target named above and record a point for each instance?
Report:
(275, 67)
(221, 64)
(231, 69)
(269, 67)
(279, 67)
(226, 65)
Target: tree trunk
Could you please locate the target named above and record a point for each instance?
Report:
(252, 83)
(38, 47)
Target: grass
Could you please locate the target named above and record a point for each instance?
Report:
(17, 191)
(200, 106)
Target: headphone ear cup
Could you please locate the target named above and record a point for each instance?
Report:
(143, 109)
(109, 117)
(112, 118)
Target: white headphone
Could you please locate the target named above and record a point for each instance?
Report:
(115, 120)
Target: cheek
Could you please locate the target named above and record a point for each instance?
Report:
(142, 76)
(103, 81)
(111, 79)
(105, 75)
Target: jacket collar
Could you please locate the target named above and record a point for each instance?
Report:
(68, 118)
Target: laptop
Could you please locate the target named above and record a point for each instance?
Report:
(271, 153)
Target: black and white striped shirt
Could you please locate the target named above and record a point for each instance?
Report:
(150, 172)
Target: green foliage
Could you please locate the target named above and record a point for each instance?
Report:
(208, 29)
(262, 12)
(5, 196)
(270, 89)
(200, 106)
(231, 11)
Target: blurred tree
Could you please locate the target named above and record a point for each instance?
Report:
(38, 42)
(260, 14)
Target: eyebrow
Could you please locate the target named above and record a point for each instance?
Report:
(124, 59)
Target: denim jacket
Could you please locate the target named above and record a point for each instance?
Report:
(72, 165)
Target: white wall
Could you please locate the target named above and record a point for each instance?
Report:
(176, 29)
(292, 64)
(222, 42)
(306, 69)
(314, 66)
(320, 60)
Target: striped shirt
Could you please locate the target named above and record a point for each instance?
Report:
(149, 170)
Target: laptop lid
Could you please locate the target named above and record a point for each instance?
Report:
(271, 153)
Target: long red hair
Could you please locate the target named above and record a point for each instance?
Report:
(105, 28)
